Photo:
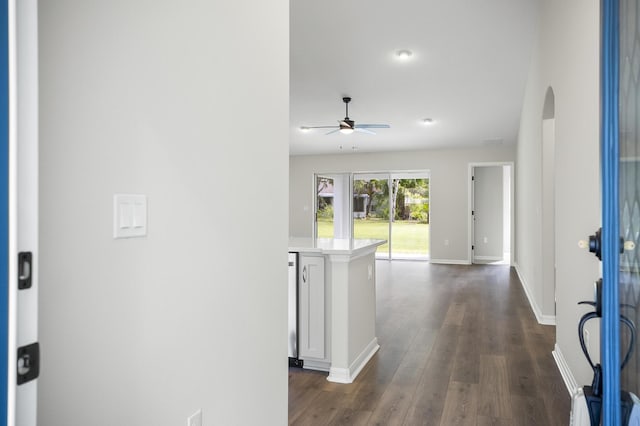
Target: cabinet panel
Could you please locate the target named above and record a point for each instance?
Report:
(311, 307)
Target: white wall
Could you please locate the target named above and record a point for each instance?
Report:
(152, 97)
(507, 230)
(567, 59)
(547, 208)
(489, 213)
(448, 192)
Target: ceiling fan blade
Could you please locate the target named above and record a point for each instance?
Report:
(361, 130)
(333, 131)
(373, 126)
(318, 127)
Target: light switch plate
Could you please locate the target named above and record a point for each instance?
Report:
(129, 215)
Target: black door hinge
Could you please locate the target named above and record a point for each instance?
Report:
(25, 270)
(28, 363)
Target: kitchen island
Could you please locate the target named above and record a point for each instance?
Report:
(336, 304)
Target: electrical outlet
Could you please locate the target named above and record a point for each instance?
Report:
(446, 242)
(486, 240)
(195, 419)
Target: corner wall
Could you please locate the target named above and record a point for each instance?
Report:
(448, 190)
(567, 59)
(143, 97)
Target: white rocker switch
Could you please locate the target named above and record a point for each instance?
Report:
(129, 215)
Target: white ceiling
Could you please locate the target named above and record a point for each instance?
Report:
(468, 72)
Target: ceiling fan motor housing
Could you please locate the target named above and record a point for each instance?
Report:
(347, 124)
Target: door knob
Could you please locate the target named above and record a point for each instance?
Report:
(594, 244)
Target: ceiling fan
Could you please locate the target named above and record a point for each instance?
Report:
(348, 126)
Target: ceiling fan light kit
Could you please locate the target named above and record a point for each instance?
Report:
(404, 54)
(347, 126)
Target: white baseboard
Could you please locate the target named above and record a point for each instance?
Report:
(569, 380)
(540, 317)
(488, 258)
(450, 261)
(348, 375)
(310, 364)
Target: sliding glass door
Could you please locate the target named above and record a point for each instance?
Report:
(410, 216)
(393, 207)
(371, 209)
(324, 206)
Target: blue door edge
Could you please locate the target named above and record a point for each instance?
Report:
(610, 337)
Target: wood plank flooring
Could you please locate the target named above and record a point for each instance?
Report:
(459, 345)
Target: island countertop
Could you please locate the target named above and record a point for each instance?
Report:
(343, 246)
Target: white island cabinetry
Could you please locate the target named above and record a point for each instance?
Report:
(336, 305)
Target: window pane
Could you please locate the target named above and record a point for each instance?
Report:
(371, 210)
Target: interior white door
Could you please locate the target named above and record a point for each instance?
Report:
(488, 214)
(4, 209)
(22, 344)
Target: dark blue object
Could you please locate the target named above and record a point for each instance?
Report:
(610, 48)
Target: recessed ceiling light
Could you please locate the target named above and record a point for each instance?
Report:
(404, 54)
(428, 121)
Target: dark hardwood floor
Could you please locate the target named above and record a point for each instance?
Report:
(459, 345)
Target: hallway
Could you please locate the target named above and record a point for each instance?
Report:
(459, 345)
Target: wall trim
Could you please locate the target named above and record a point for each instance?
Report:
(568, 377)
(348, 375)
(540, 317)
(488, 258)
(450, 261)
(315, 365)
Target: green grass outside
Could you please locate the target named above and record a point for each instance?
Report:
(409, 237)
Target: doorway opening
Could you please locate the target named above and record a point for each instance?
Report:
(491, 213)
